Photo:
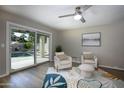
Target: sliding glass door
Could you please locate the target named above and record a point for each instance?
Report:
(42, 48)
(22, 48)
(28, 48)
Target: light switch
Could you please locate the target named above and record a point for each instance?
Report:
(2, 45)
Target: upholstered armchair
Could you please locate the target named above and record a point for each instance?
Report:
(62, 61)
(89, 58)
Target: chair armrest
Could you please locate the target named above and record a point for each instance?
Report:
(70, 58)
(56, 58)
(95, 59)
(82, 59)
(56, 61)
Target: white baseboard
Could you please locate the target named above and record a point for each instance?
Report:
(117, 68)
(4, 75)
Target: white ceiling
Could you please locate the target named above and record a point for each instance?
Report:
(48, 15)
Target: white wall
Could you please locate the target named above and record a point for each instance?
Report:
(111, 52)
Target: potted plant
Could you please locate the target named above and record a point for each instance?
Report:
(58, 48)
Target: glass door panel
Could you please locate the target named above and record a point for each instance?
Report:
(42, 48)
(22, 48)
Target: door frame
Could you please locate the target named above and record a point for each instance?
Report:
(9, 26)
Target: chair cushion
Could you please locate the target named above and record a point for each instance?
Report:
(65, 62)
(62, 57)
(88, 55)
(89, 61)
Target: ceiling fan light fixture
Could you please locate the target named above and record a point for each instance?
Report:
(83, 20)
(77, 17)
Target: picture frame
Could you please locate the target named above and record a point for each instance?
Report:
(91, 39)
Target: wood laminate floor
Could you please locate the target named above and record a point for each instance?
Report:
(117, 73)
(28, 78)
(33, 77)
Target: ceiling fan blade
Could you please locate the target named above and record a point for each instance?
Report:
(85, 7)
(82, 20)
(66, 15)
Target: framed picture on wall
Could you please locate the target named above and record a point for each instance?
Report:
(91, 39)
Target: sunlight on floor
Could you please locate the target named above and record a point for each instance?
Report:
(20, 62)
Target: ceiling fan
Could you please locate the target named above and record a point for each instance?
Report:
(78, 15)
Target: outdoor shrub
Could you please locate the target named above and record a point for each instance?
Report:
(28, 45)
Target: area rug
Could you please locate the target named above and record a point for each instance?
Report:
(73, 76)
(117, 81)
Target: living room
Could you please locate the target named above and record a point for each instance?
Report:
(30, 41)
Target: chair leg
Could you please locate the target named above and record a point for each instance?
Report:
(71, 68)
(57, 69)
